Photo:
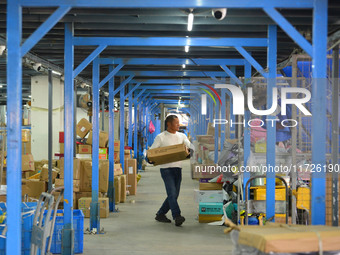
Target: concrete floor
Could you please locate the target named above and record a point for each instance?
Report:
(133, 229)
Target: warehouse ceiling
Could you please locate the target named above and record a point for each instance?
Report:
(239, 23)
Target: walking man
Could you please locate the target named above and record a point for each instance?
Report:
(172, 172)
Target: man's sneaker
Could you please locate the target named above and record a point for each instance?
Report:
(179, 220)
(162, 218)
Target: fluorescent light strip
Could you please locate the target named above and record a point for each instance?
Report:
(190, 21)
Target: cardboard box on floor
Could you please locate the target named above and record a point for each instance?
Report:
(103, 139)
(60, 183)
(27, 163)
(207, 218)
(83, 128)
(61, 148)
(44, 174)
(204, 171)
(168, 154)
(103, 153)
(116, 157)
(26, 148)
(117, 169)
(209, 139)
(5, 158)
(33, 188)
(118, 189)
(85, 203)
(116, 146)
(84, 149)
(210, 186)
(76, 169)
(131, 176)
(86, 176)
(25, 135)
(123, 188)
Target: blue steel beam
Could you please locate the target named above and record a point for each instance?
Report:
(123, 84)
(319, 88)
(271, 129)
(68, 231)
(231, 75)
(164, 81)
(247, 4)
(110, 75)
(142, 100)
(88, 60)
(138, 95)
(173, 73)
(170, 41)
(94, 206)
(43, 29)
(165, 91)
(172, 61)
(14, 119)
(289, 29)
(132, 90)
(111, 191)
(176, 80)
(252, 61)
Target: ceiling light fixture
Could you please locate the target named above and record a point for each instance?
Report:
(183, 66)
(186, 48)
(56, 72)
(190, 21)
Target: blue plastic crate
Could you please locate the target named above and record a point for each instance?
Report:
(27, 222)
(78, 225)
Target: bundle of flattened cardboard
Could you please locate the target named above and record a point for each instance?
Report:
(281, 238)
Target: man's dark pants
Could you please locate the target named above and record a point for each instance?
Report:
(172, 178)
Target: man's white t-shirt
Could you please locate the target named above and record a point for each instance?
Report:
(167, 139)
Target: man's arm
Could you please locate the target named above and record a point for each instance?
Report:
(188, 143)
(156, 143)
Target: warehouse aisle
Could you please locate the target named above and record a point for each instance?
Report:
(134, 231)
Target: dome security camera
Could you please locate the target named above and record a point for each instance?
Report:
(219, 14)
(37, 67)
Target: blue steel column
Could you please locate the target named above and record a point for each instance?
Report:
(319, 68)
(223, 116)
(94, 207)
(135, 134)
(111, 191)
(232, 116)
(147, 119)
(68, 231)
(216, 133)
(122, 128)
(246, 140)
(271, 129)
(130, 121)
(14, 118)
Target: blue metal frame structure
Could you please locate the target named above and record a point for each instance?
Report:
(16, 50)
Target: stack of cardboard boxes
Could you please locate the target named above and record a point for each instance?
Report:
(210, 201)
(329, 198)
(204, 147)
(35, 183)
